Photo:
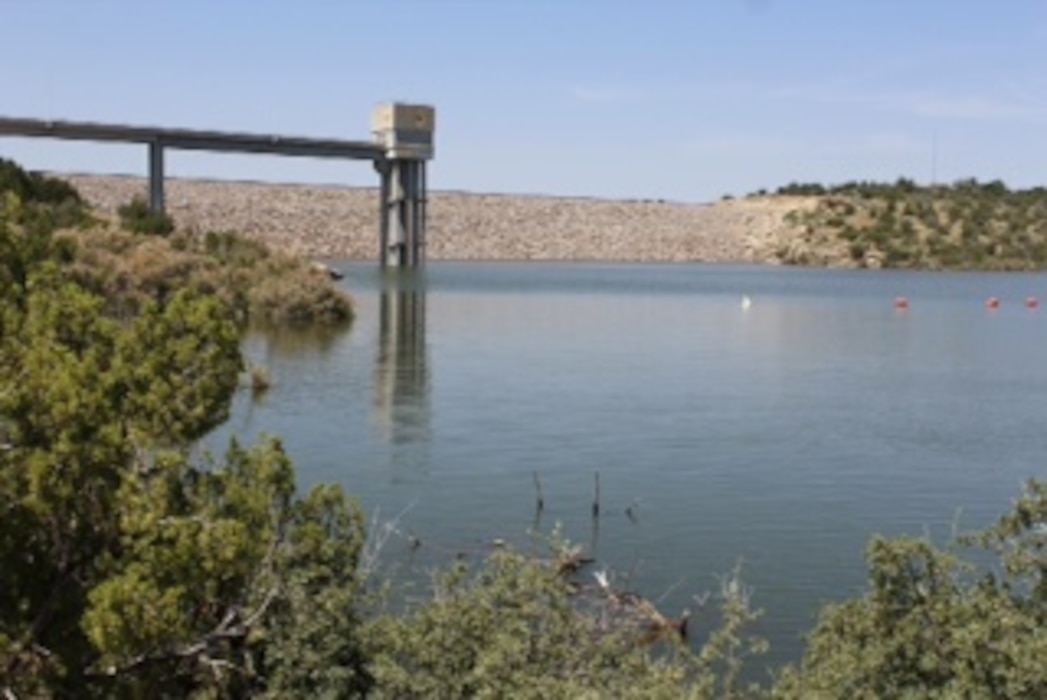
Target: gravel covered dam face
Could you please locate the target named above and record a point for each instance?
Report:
(318, 221)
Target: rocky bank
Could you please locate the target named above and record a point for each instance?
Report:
(338, 222)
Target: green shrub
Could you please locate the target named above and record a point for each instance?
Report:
(34, 187)
(230, 248)
(933, 625)
(45, 203)
(137, 217)
(296, 296)
(519, 627)
(256, 284)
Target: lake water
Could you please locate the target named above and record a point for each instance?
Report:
(781, 436)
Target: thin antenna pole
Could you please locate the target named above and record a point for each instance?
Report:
(934, 158)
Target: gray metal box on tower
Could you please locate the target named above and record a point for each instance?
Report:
(405, 131)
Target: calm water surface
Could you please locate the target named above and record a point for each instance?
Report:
(781, 436)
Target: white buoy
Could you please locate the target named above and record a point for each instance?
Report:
(746, 302)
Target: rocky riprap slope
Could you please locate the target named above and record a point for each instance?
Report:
(337, 222)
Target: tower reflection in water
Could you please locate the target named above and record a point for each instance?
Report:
(401, 386)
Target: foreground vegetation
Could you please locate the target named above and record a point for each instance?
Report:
(967, 225)
(128, 569)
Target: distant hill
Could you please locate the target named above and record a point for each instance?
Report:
(966, 225)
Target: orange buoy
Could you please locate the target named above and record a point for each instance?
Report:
(1032, 303)
(992, 303)
(901, 303)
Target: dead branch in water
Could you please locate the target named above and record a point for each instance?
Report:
(624, 608)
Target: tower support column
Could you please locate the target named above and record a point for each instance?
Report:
(402, 218)
(156, 177)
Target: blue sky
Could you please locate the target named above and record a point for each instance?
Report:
(662, 99)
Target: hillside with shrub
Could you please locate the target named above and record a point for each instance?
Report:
(967, 225)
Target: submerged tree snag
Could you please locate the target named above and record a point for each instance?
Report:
(630, 609)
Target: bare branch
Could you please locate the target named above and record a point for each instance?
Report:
(379, 536)
(233, 626)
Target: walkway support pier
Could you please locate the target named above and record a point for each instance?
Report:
(406, 134)
(156, 176)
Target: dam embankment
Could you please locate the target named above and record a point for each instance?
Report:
(320, 221)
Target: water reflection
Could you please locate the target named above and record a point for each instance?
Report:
(401, 386)
(294, 342)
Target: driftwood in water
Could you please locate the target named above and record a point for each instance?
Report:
(596, 494)
(625, 607)
(540, 502)
(571, 560)
(622, 609)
